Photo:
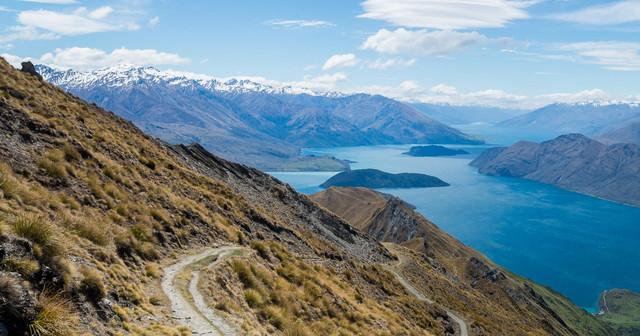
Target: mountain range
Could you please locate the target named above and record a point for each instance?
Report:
(463, 114)
(590, 118)
(105, 230)
(248, 121)
(573, 162)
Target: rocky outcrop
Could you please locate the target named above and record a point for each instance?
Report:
(373, 178)
(574, 162)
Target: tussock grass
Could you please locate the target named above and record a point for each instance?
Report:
(33, 228)
(55, 317)
(26, 267)
(92, 283)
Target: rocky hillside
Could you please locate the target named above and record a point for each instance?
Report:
(573, 162)
(101, 226)
(436, 262)
(250, 122)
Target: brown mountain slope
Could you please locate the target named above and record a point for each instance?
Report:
(497, 303)
(92, 211)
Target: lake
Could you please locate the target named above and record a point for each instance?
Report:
(576, 244)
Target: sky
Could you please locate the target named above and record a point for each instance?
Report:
(504, 53)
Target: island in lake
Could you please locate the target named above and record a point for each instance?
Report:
(373, 178)
(434, 150)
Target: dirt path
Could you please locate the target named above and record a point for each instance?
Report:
(463, 328)
(180, 284)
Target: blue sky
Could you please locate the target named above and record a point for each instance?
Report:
(523, 53)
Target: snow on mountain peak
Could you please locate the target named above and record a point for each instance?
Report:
(127, 75)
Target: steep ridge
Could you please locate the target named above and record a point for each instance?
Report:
(92, 210)
(247, 121)
(573, 162)
(435, 262)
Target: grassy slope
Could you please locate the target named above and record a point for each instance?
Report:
(622, 311)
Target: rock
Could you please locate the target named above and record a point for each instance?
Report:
(29, 68)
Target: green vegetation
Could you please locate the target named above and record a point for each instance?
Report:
(621, 309)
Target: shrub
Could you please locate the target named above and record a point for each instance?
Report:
(54, 318)
(91, 284)
(253, 298)
(33, 228)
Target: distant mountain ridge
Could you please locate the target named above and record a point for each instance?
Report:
(248, 121)
(573, 162)
(626, 134)
(589, 118)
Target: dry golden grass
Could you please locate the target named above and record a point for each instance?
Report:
(55, 317)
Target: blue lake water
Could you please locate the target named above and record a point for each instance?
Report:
(576, 244)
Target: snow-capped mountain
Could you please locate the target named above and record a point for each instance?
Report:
(249, 121)
(127, 75)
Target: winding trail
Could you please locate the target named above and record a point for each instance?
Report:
(462, 324)
(180, 284)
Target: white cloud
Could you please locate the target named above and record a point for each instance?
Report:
(64, 24)
(12, 59)
(607, 14)
(47, 24)
(340, 61)
(382, 64)
(422, 42)
(89, 58)
(446, 94)
(613, 55)
(300, 23)
(321, 83)
(446, 14)
(101, 13)
(154, 21)
(53, 2)
(5, 9)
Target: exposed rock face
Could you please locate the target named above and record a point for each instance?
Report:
(573, 162)
(29, 68)
(434, 150)
(373, 178)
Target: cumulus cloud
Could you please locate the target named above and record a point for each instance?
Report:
(422, 42)
(446, 14)
(613, 55)
(383, 64)
(607, 14)
(79, 22)
(300, 23)
(89, 58)
(44, 24)
(446, 94)
(340, 61)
